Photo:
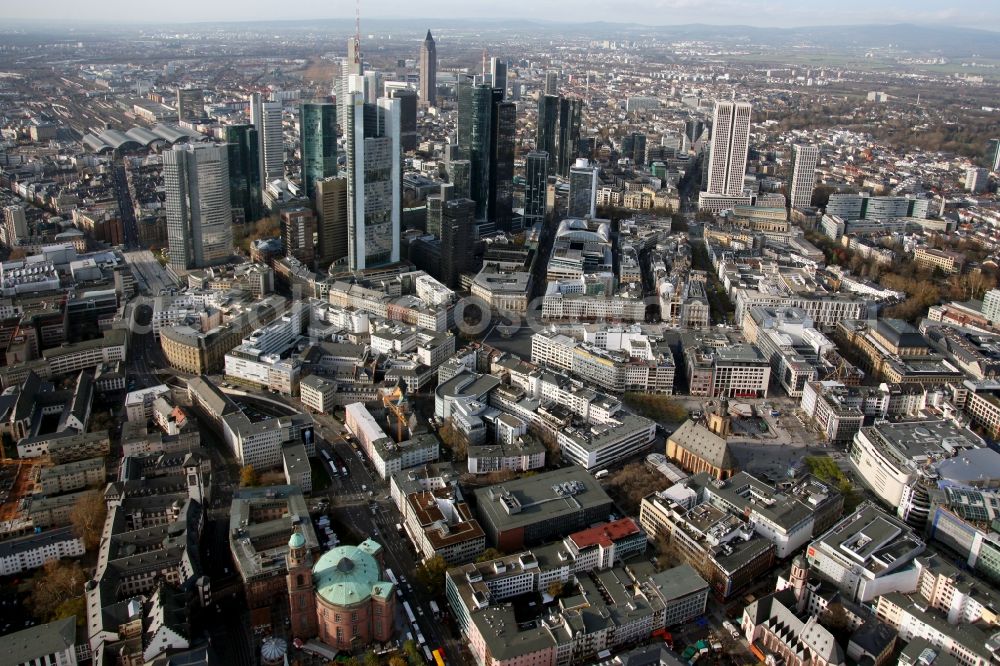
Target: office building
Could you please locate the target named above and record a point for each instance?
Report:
(245, 191)
(460, 177)
(498, 75)
(991, 305)
(407, 117)
(633, 147)
(536, 509)
(903, 463)
(199, 217)
(298, 227)
(475, 109)
(500, 193)
(261, 520)
(266, 118)
(976, 179)
(730, 143)
(802, 175)
(374, 190)
(44, 644)
(693, 129)
(352, 65)
(583, 180)
(552, 82)
(570, 114)
(850, 207)
(332, 220)
(318, 137)
(458, 228)
(867, 554)
(546, 128)
(720, 545)
(428, 71)
(15, 224)
(992, 161)
(190, 104)
(536, 167)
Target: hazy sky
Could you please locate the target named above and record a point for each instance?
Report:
(970, 13)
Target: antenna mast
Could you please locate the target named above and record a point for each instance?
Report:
(484, 64)
(357, 32)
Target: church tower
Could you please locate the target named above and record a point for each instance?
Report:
(719, 420)
(301, 593)
(798, 579)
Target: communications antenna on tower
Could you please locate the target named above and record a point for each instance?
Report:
(357, 32)
(484, 64)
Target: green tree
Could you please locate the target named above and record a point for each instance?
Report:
(87, 518)
(398, 660)
(248, 476)
(54, 586)
(371, 659)
(490, 554)
(430, 575)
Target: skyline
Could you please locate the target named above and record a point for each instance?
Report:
(774, 13)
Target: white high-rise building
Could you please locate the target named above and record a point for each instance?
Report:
(976, 179)
(730, 142)
(802, 175)
(374, 179)
(199, 218)
(582, 190)
(353, 65)
(266, 118)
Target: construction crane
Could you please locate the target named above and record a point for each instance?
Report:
(395, 402)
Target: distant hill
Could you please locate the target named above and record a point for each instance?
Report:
(948, 41)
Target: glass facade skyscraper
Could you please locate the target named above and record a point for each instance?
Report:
(199, 217)
(536, 167)
(318, 139)
(374, 181)
(244, 173)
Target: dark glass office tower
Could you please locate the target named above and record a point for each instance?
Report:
(244, 172)
(570, 111)
(504, 119)
(536, 168)
(318, 139)
(463, 130)
(458, 237)
(480, 140)
(498, 70)
(408, 117)
(547, 127)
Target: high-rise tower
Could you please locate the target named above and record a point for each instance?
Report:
(552, 82)
(547, 127)
(331, 223)
(199, 217)
(318, 140)
(428, 71)
(802, 175)
(266, 118)
(245, 192)
(730, 142)
(498, 75)
(570, 111)
(536, 168)
(351, 66)
(374, 181)
(582, 190)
